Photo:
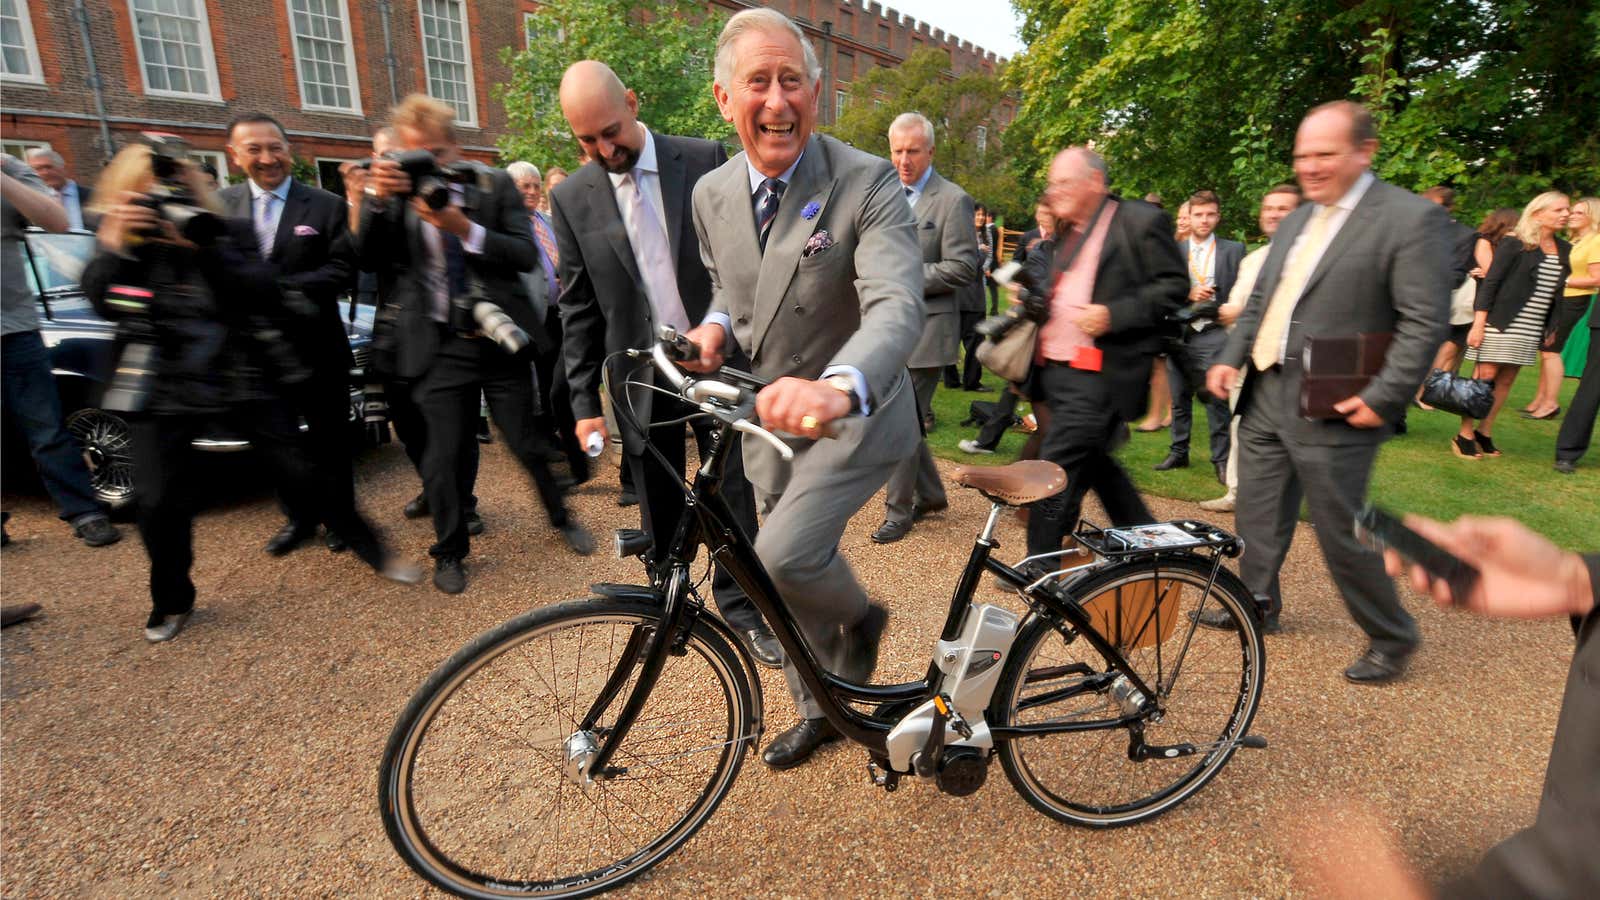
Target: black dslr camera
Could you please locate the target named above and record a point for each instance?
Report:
(170, 197)
(429, 180)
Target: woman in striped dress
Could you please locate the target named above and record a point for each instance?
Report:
(1513, 310)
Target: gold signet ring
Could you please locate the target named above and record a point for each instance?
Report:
(808, 422)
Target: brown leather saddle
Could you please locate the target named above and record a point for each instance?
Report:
(1018, 484)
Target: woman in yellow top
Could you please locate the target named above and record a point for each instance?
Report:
(1583, 229)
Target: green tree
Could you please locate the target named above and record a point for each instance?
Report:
(662, 49)
(1185, 94)
(958, 107)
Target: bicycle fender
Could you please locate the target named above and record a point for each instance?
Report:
(628, 593)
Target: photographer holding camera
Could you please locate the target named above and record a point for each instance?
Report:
(201, 327)
(455, 238)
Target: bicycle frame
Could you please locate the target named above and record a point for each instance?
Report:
(708, 521)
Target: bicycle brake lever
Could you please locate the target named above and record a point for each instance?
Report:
(748, 427)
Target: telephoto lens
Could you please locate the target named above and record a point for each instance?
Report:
(374, 403)
(500, 327)
(129, 390)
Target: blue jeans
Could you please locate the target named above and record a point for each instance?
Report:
(31, 401)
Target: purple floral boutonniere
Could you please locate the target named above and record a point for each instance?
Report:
(810, 211)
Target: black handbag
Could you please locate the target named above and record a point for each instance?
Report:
(1469, 397)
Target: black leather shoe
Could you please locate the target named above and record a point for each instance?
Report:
(335, 543)
(474, 523)
(861, 645)
(290, 536)
(1222, 473)
(889, 532)
(796, 745)
(762, 644)
(449, 575)
(1567, 466)
(1173, 461)
(417, 508)
(1377, 667)
(627, 498)
(922, 511)
(1216, 618)
(578, 538)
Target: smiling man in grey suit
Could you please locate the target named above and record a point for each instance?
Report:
(950, 265)
(1361, 257)
(816, 276)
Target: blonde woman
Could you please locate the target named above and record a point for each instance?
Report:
(1578, 429)
(1582, 228)
(1513, 310)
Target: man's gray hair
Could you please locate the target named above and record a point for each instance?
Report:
(1092, 161)
(33, 153)
(761, 19)
(909, 120)
(520, 170)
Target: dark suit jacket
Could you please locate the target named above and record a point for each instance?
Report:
(311, 251)
(1142, 279)
(1556, 856)
(390, 243)
(604, 307)
(1226, 270)
(1386, 271)
(1509, 283)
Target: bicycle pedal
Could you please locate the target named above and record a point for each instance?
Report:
(881, 777)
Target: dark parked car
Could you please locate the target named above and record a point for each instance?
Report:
(82, 355)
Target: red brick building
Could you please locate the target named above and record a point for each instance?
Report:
(84, 76)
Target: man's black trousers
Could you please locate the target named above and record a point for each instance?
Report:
(447, 395)
(1084, 425)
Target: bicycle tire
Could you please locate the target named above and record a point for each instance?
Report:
(451, 843)
(1100, 764)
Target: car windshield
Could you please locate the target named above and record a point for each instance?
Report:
(58, 259)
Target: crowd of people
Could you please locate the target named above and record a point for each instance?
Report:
(851, 284)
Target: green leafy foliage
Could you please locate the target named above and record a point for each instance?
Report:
(661, 49)
(1496, 99)
(958, 108)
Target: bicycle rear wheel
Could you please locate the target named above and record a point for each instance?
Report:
(474, 787)
(1208, 684)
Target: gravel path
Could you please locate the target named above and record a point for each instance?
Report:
(241, 759)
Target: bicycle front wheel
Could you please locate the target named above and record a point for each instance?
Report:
(1207, 681)
(475, 787)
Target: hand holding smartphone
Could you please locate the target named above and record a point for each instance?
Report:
(1381, 531)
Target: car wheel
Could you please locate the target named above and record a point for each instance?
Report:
(108, 451)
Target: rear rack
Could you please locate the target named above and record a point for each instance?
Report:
(1178, 535)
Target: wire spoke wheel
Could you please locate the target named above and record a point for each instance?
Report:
(107, 451)
(477, 788)
(1208, 683)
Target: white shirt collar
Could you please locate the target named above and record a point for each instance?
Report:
(921, 184)
(1357, 191)
(281, 191)
(756, 177)
(1195, 245)
(646, 163)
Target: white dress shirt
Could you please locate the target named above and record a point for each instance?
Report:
(1343, 207)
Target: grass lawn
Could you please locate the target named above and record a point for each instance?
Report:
(1416, 472)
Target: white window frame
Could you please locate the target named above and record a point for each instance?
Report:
(466, 45)
(982, 139)
(527, 33)
(217, 158)
(841, 99)
(207, 50)
(317, 161)
(30, 46)
(349, 62)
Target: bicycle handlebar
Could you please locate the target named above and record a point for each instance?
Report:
(729, 403)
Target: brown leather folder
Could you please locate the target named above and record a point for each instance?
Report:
(1338, 368)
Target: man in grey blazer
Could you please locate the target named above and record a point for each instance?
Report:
(1362, 257)
(815, 276)
(950, 266)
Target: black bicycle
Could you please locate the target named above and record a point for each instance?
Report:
(570, 749)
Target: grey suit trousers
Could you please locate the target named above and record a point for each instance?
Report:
(1274, 473)
(799, 546)
(916, 478)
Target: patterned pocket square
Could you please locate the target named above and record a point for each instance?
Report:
(304, 231)
(819, 242)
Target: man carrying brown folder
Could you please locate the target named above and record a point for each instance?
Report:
(1360, 258)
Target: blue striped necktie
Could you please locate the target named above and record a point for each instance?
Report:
(771, 193)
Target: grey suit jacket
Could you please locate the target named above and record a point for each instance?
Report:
(857, 303)
(951, 264)
(1387, 270)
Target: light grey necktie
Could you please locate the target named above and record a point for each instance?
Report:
(267, 223)
(654, 255)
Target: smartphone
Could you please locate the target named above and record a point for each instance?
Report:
(1380, 530)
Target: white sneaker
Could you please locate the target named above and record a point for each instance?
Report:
(971, 446)
(1220, 504)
